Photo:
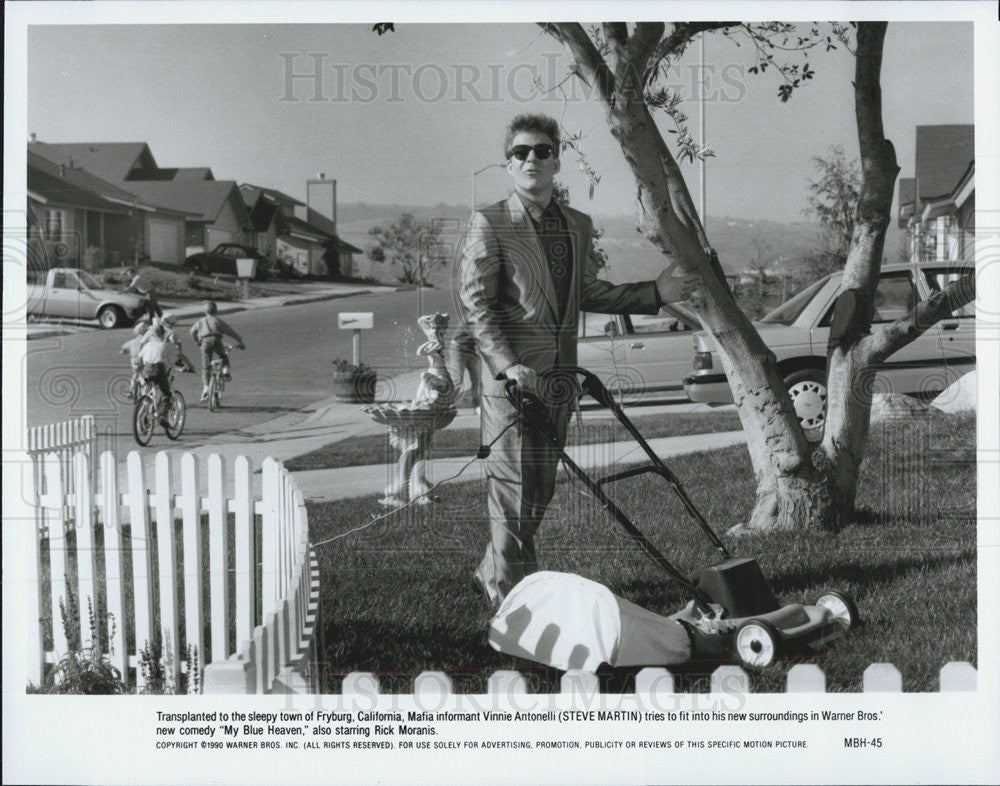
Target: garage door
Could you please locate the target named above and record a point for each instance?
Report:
(165, 241)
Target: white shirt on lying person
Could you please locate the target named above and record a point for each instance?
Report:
(157, 350)
(570, 622)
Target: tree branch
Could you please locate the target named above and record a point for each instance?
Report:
(592, 68)
(896, 335)
(679, 37)
(641, 45)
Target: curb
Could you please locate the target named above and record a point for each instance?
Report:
(184, 313)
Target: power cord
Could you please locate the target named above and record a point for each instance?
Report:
(482, 453)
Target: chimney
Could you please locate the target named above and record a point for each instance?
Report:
(321, 200)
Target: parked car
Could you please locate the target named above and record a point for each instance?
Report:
(68, 292)
(222, 259)
(797, 333)
(638, 353)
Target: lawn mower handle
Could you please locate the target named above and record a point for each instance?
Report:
(593, 386)
(532, 410)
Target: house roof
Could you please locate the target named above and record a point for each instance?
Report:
(943, 154)
(108, 160)
(343, 245)
(252, 193)
(68, 185)
(49, 188)
(304, 228)
(202, 198)
(172, 173)
(263, 212)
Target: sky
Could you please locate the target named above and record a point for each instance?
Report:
(409, 116)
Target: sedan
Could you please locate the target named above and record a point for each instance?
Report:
(222, 259)
(797, 332)
(639, 354)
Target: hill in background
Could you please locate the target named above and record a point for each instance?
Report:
(739, 241)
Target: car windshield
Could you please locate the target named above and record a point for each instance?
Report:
(87, 280)
(789, 311)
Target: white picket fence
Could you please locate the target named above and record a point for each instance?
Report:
(65, 439)
(729, 680)
(266, 630)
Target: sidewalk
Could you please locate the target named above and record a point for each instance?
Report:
(329, 420)
(193, 309)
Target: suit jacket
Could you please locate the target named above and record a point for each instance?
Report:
(508, 298)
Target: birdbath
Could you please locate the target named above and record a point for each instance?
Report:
(412, 426)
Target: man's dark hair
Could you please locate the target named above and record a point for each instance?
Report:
(210, 307)
(543, 124)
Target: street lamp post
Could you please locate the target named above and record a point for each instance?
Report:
(476, 174)
(701, 131)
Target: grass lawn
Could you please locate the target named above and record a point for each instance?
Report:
(375, 448)
(397, 596)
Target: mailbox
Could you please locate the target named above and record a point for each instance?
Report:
(246, 267)
(356, 321)
(360, 320)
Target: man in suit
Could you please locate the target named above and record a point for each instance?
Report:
(525, 273)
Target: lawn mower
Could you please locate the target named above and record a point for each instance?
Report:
(733, 611)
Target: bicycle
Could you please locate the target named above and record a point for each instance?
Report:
(149, 411)
(217, 380)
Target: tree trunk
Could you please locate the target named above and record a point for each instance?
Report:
(790, 493)
(795, 488)
(850, 372)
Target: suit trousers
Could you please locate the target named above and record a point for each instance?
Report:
(521, 478)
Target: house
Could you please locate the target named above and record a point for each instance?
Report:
(215, 212)
(83, 220)
(305, 236)
(937, 205)
(269, 211)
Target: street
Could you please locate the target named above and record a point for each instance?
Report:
(285, 368)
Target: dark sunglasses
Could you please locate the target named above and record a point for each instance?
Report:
(520, 152)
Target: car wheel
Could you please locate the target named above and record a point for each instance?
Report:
(843, 608)
(758, 643)
(110, 317)
(807, 389)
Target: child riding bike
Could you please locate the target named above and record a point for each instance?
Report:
(207, 333)
(157, 355)
(142, 333)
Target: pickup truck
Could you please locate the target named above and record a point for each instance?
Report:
(75, 294)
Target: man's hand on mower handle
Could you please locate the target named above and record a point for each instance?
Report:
(525, 377)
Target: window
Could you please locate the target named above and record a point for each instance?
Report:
(597, 325)
(59, 281)
(938, 278)
(789, 311)
(55, 220)
(659, 323)
(894, 297)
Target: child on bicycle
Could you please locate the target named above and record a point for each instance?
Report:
(132, 347)
(157, 355)
(207, 333)
(168, 325)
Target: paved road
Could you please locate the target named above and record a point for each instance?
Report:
(285, 368)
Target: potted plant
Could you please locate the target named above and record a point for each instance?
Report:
(353, 383)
